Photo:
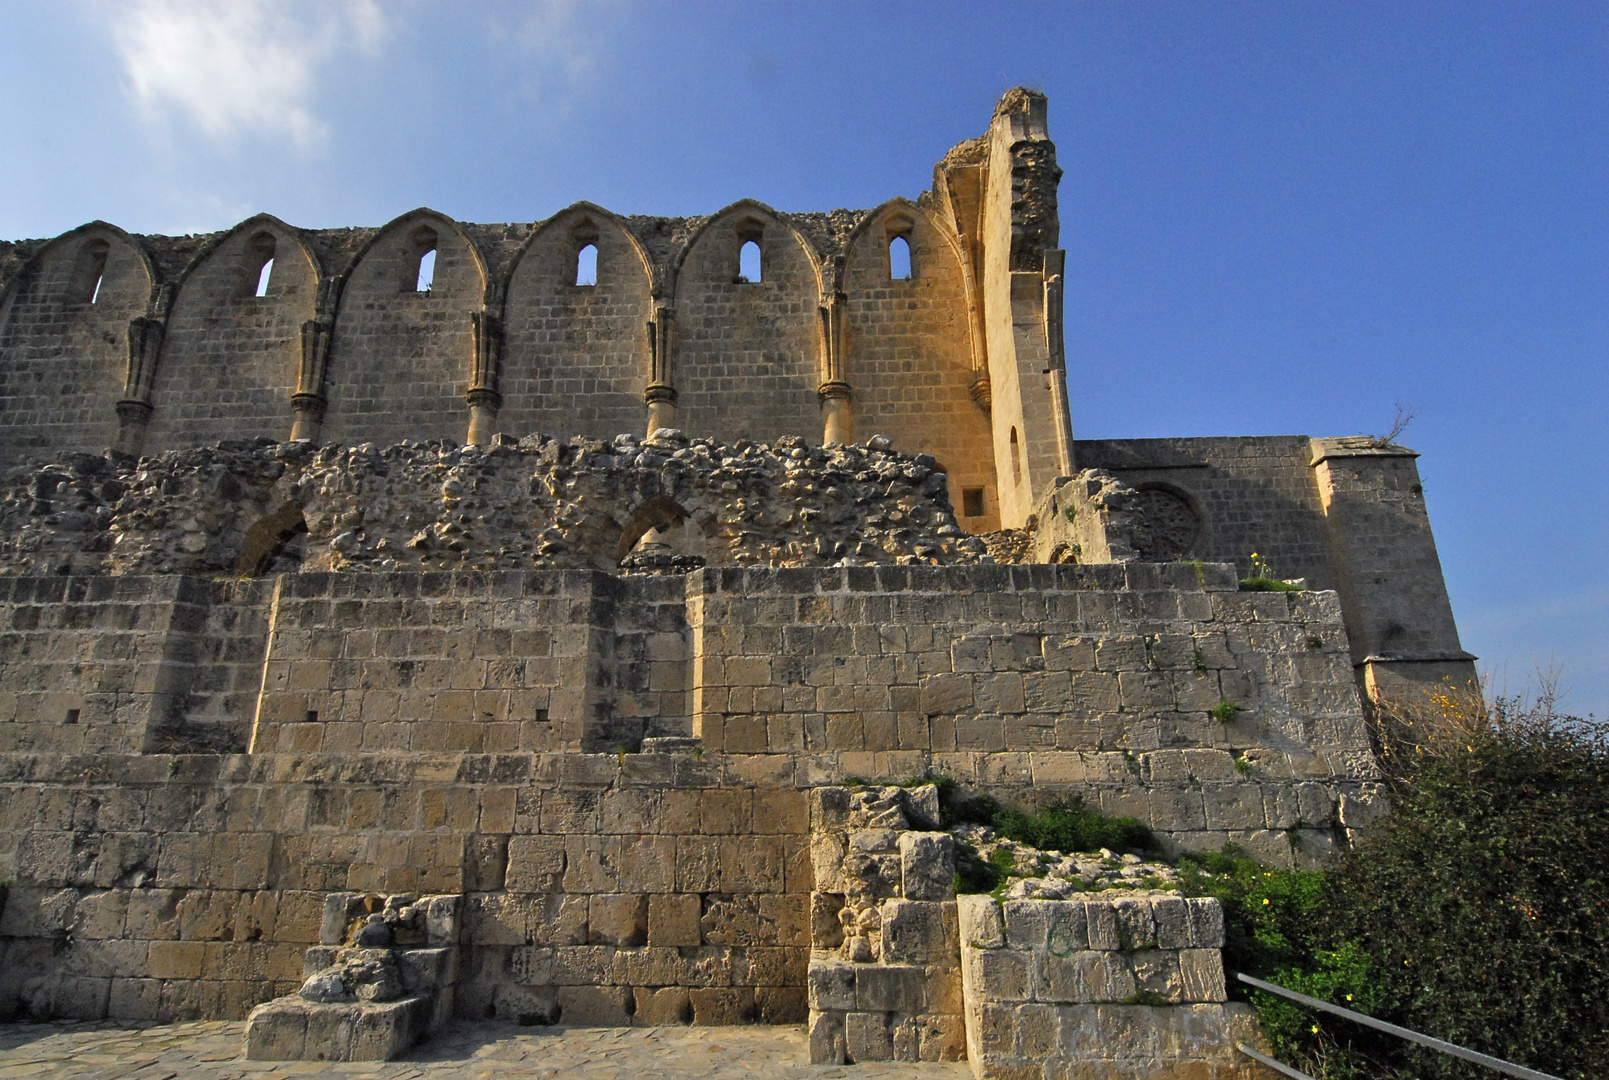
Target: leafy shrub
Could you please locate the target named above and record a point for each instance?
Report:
(1224, 712)
(1477, 913)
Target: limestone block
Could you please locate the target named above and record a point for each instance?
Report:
(673, 919)
(892, 988)
(1171, 916)
(831, 984)
(922, 806)
(720, 1006)
(617, 919)
(277, 1031)
(927, 865)
(826, 932)
(533, 861)
(595, 1006)
(1027, 922)
(1201, 973)
(1206, 916)
(645, 966)
(1156, 971)
(1000, 975)
(1136, 926)
(915, 932)
(827, 1039)
(1086, 976)
(867, 1037)
(1102, 924)
(662, 1006)
(982, 926)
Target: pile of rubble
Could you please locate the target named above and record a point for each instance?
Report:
(1051, 875)
(254, 507)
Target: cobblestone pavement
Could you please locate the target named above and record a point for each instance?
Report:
(211, 1050)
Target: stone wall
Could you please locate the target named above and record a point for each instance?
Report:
(1093, 988)
(157, 885)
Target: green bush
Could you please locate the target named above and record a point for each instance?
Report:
(1481, 902)
(1478, 912)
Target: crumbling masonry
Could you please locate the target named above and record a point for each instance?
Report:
(405, 622)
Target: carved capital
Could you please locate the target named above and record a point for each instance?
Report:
(659, 393)
(982, 392)
(834, 390)
(309, 404)
(484, 397)
(132, 411)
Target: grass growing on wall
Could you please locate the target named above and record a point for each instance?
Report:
(1477, 913)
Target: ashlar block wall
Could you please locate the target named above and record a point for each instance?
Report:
(602, 883)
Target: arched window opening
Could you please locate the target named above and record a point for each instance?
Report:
(1016, 458)
(259, 263)
(92, 271)
(422, 246)
(275, 543)
(263, 277)
(748, 263)
(586, 265)
(899, 259)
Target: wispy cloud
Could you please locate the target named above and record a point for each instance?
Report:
(236, 66)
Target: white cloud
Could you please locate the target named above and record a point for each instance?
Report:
(233, 66)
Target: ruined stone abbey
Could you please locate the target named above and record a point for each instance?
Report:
(534, 622)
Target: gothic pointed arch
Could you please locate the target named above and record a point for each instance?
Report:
(64, 341)
(902, 334)
(747, 360)
(575, 355)
(403, 346)
(230, 357)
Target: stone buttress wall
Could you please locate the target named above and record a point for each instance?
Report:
(575, 357)
(230, 358)
(64, 345)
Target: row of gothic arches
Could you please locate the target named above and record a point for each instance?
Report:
(391, 333)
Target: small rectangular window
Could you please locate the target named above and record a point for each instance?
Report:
(541, 716)
(312, 716)
(72, 716)
(972, 502)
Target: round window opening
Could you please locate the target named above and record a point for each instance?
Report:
(1168, 526)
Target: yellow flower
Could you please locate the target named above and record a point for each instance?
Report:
(1265, 901)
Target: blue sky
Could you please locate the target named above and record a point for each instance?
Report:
(1279, 217)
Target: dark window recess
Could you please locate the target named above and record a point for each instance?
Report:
(541, 716)
(312, 716)
(72, 716)
(972, 502)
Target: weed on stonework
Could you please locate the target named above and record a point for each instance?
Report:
(1475, 913)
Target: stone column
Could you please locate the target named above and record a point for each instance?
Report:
(484, 398)
(134, 410)
(837, 411)
(660, 395)
(307, 404)
(1055, 262)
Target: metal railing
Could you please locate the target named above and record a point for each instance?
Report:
(1441, 1045)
